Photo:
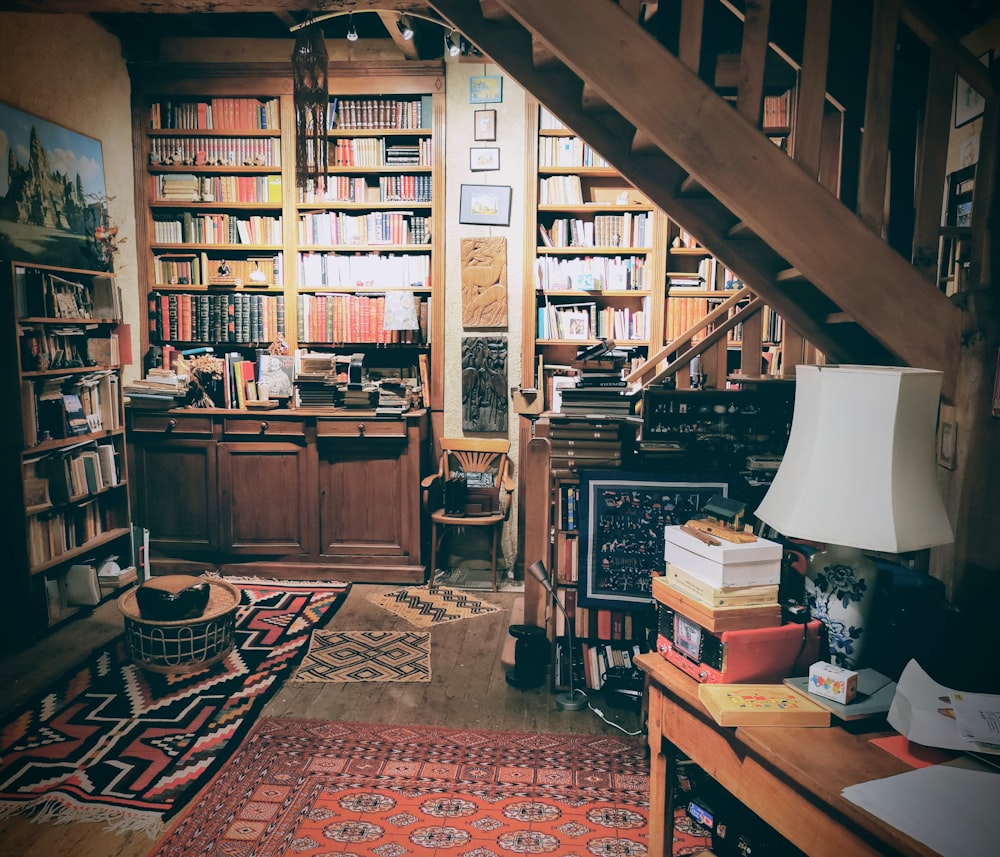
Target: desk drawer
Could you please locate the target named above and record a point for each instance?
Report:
(361, 428)
(265, 426)
(192, 426)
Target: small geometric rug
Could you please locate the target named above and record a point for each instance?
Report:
(424, 607)
(345, 656)
(311, 788)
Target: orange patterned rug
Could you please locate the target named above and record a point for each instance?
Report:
(302, 788)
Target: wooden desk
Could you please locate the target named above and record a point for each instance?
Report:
(790, 776)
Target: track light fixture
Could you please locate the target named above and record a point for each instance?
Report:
(352, 32)
(452, 45)
(405, 27)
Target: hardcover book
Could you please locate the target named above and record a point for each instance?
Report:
(760, 705)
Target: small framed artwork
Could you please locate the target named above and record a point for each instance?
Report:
(488, 205)
(969, 103)
(485, 125)
(484, 158)
(485, 89)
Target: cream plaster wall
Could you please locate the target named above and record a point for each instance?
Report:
(66, 69)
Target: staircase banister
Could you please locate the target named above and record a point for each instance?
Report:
(701, 346)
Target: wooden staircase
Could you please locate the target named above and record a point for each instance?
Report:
(606, 69)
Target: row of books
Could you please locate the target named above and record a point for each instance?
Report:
(58, 407)
(199, 270)
(381, 152)
(356, 189)
(578, 444)
(211, 317)
(585, 321)
(70, 474)
(560, 190)
(380, 113)
(215, 151)
(567, 152)
(364, 270)
(222, 113)
(216, 229)
(605, 230)
(361, 318)
(591, 273)
(187, 187)
(52, 534)
(377, 227)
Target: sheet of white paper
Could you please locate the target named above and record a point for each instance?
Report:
(978, 716)
(922, 711)
(950, 809)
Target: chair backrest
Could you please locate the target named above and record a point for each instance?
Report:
(474, 455)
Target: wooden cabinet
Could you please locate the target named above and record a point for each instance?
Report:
(308, 492)
(235, 251)
(66, 455)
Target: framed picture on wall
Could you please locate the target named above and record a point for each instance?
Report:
(484, 125)
(484, 158)
(486, 89)
(623, 517)
(488, 205)
(969, 104)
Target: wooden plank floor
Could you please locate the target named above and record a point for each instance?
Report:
(467, 689)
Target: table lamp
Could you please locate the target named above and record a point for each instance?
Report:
(858, 474)
(570, 700)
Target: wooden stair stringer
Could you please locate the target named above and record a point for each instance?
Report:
(698, 134)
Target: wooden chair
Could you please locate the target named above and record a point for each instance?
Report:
(484, 507)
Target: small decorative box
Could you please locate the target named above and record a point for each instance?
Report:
(832, 682)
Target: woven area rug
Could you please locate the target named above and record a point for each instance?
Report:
(423, 607)
(343, 656)
(115, 743)
(310, 788)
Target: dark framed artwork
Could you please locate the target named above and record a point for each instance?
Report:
(484, 383)
(53, 192)
(623, 517)
(483, 204)
(969, 103)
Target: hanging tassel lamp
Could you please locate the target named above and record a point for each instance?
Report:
(311, 96)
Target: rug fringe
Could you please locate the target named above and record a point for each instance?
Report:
(62, 810)
(277, 581)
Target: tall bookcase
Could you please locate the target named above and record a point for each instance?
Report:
(234, 253)
(598, 266)
(68, 450)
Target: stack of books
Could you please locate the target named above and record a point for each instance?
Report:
(583, 444)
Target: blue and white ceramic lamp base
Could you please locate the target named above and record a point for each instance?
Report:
(840, 592)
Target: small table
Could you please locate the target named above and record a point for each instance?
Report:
(183, 645)
(789, 776)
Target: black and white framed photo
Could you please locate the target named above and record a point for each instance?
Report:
(969, 103)
(486, 89)
(482, 158)
(484, 127)
(488, 205)
(623, 518)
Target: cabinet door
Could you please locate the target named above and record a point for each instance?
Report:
(175, 485)
(265, 501)
(369, 494)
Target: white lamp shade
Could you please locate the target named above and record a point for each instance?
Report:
(860, 469)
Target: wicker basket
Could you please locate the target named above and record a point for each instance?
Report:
(185, 645)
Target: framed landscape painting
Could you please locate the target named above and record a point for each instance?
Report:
(623, 517)
(52, 193)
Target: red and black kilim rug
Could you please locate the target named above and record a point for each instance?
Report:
(115, 743)
(306, 788)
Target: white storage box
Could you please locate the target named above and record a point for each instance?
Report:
(727, 564)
